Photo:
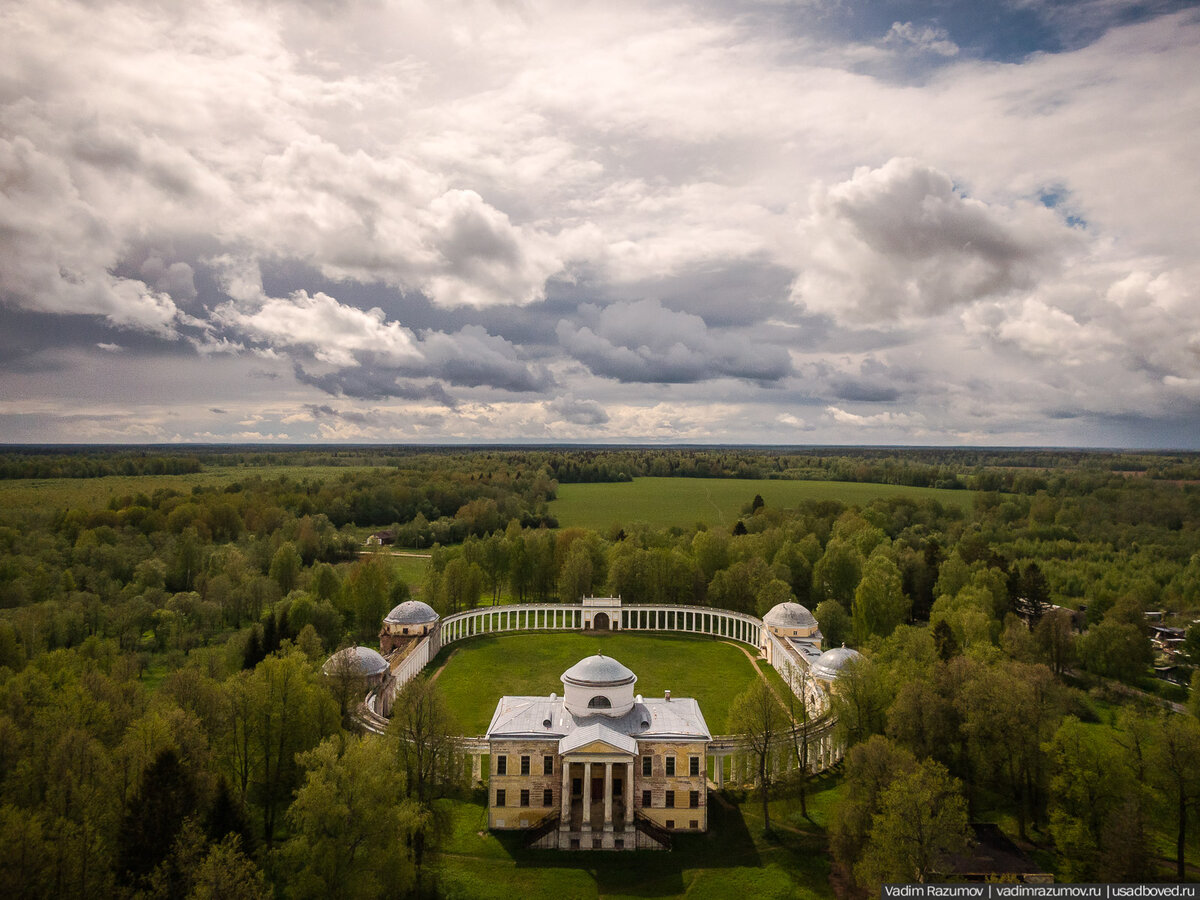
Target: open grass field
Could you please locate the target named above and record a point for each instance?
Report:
(662, 502)
(485, 668)
(733, 859)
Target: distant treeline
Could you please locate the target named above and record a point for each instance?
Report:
(1010, 471)
(90, 465)
(1019, 471)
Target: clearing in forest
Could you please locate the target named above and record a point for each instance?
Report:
(717, 502)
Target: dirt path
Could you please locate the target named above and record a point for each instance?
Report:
(712, 503)
(770, 687)
(395, 553)
(437, 674)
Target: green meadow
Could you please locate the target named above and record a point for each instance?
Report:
(481, 670)
(663, 502)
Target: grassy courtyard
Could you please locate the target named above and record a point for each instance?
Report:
(485, 668)
(663, 502)
(733, 859)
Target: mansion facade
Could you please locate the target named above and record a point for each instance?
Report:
(599, 767)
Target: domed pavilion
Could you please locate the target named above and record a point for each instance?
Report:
(796, 627)
(412, 618)
(361, 663)
(829, 664)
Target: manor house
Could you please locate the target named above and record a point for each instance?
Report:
(599, 767)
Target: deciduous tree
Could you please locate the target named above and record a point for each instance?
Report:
(757, 715)
(921, 823)
(350, 835)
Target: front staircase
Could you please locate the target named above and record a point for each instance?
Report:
(540, 830)
(656, 833)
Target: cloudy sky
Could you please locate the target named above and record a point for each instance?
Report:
(733, 221)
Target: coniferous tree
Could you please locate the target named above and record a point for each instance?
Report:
(253, 653)
(154, 817)
(226, 816)
(270, 635)
(1035, 591)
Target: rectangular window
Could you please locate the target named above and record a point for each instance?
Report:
(547, 797)
(694, 799)
(525, 797)
(647, 762)
(670, 765)
(694, 765)
(670, 823)
(501, 765)
(547, 765)
(694, 824)
(524, 765)
(670, 804)
(646, 799)
(500, 797)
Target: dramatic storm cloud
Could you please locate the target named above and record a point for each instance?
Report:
(726, 220)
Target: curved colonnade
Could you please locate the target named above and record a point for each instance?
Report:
(730, 755)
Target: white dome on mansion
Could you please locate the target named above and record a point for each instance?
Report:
(598, 685)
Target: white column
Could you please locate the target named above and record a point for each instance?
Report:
(719, 771)
(629, 796)
(608, 769)
(476, 767)
(565, 822)
(587, 796)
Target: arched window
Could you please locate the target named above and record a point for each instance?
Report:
(599, 702)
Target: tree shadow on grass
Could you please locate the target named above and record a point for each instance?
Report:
(649, 873)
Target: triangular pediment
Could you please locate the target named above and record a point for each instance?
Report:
(597, 738)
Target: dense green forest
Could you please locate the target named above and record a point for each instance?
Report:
(165, 730)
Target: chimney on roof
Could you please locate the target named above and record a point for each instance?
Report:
(667, 695)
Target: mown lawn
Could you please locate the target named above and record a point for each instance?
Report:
(481, 670)
(733, 859)
(663, 502)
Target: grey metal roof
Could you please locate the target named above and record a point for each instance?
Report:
(361, 660)
(598, 670)
(790, 615)
(809, 648)
(830, 663)
(548, 717)
(411, 612)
